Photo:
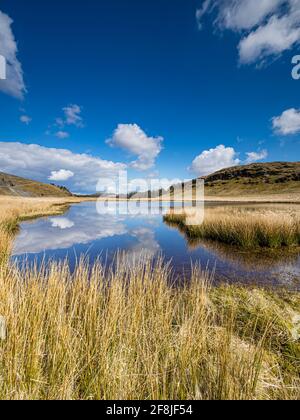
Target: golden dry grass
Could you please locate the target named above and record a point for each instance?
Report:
(241, 227)
(126, 333)
(24, 208)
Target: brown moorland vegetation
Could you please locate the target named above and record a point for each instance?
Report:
(11, 185)
(240, 227)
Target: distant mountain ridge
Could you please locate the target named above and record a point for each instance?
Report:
(11, 185)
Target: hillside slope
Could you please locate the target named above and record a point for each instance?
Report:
(257, 178)
(15, 186)
(278, 181)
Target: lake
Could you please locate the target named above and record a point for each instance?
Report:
(83, 231)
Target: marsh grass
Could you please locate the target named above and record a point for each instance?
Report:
(126, 332)
(242, 228)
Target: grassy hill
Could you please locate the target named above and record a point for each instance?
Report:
(15, 186)
(257, 178)
(259, 181)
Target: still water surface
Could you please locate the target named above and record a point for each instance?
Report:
(83, 231)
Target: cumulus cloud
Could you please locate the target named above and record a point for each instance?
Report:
(288, 123)
(25, 119)
(62, 134)
(214, 160)
(37, 162)
(61, 175)
(132, 138)
(267, 27)
(256, 156)
(14, 84)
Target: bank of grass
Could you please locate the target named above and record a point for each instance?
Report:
(126, 332)
(241, 228)
(18, 209)
(14, 210)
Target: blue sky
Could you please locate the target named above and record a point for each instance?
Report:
(147, 86)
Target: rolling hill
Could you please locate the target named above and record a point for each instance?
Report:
(256, 178)
(11, 185)
(258, 181)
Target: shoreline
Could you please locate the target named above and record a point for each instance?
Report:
(30, 208)
(217, 200)
(22, 209)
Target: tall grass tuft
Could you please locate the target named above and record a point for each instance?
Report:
(127, 333)
(242, 229)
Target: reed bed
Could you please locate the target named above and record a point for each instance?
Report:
(127, 333)
(245, 229)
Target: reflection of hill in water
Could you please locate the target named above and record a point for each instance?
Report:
(260, 259)
(59, 233)
(257, 259)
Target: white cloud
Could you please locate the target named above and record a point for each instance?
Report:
(14, 84)
(61, 175)
(61, 223)
(73, 115)
(25, 119)
(278, 35)
(207, 6)
(132, 138)
(256, 156)
(267, 27)
(287, 123)
(37, 162)
(214, 160)
(62, 135)
(245, 14)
